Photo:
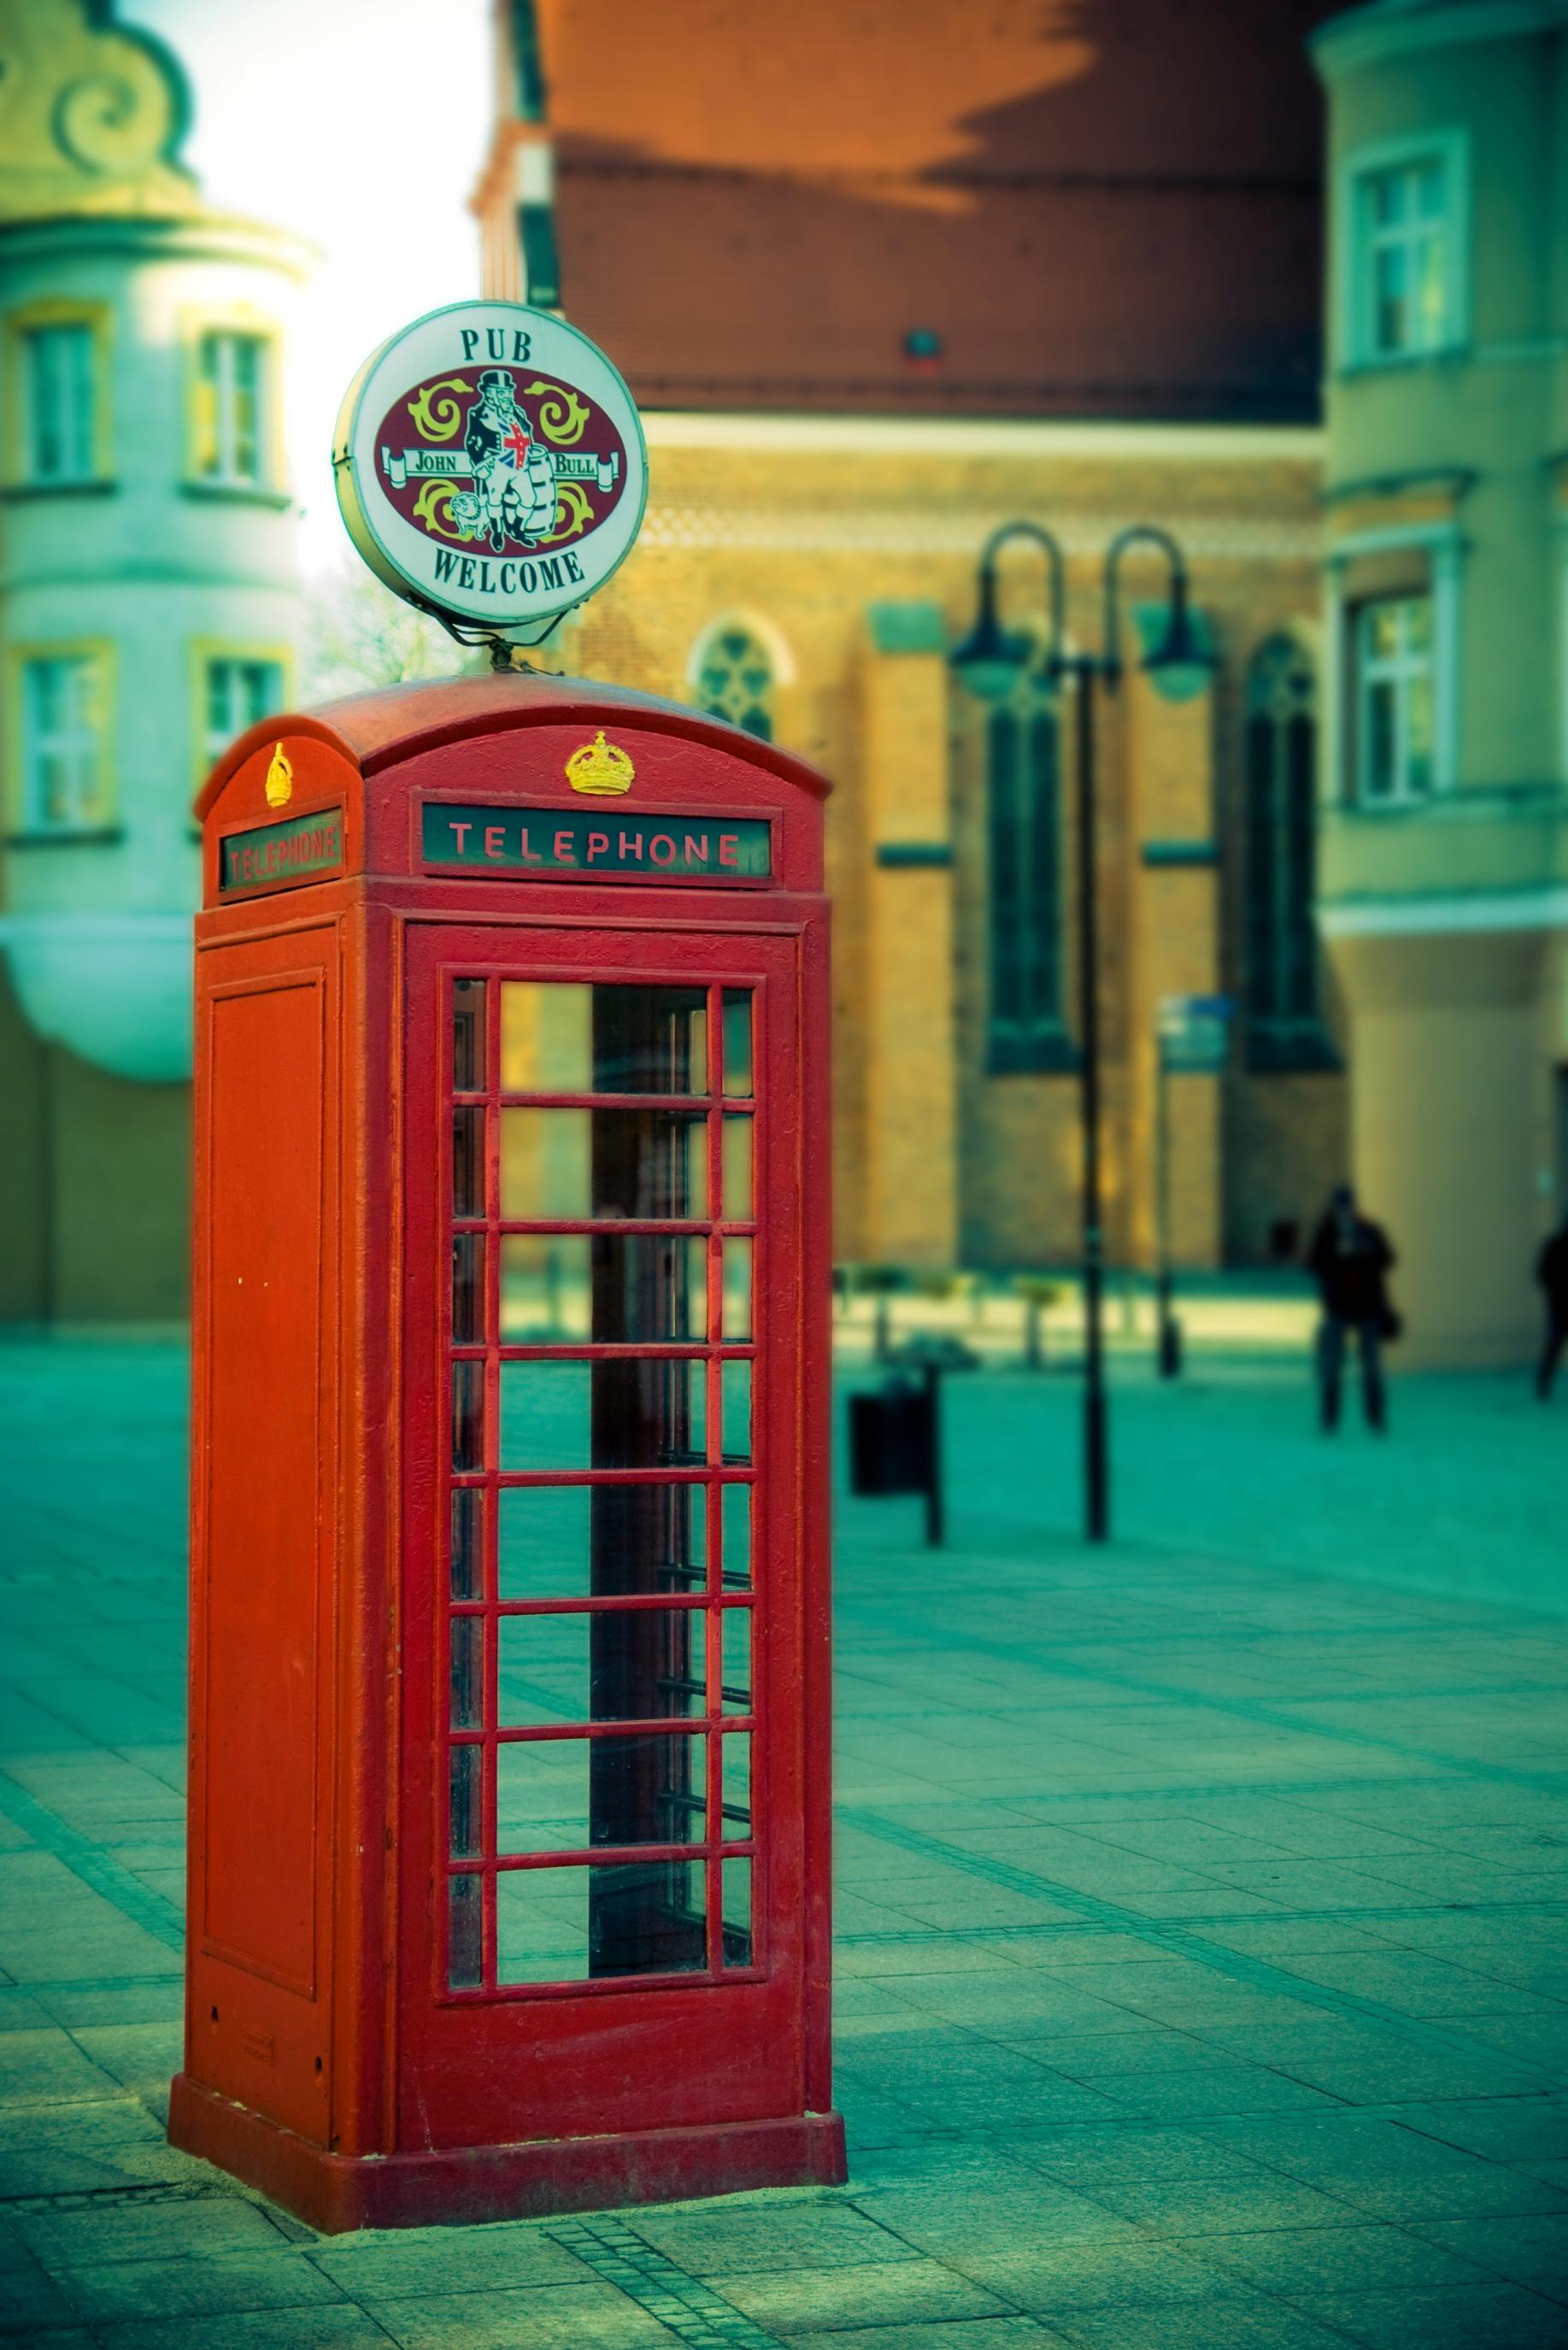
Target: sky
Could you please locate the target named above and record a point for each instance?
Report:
(362, 124)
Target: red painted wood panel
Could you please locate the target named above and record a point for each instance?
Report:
(262, 1559)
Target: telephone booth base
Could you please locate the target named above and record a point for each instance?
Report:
(469, 2185)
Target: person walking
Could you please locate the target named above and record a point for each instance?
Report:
(1350, 1258)
(1551, 1272)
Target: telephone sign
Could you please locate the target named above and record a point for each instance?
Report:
(571, 843)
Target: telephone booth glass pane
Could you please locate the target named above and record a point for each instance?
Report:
(465, 1931)
(737, 1308)
(737, 1924)
(468, 1289)
(602, 1040)
(569, 1925)
(737, 1174)
(737, 1542)
(611, 1335)
(468, 1035)
(565, 1166)
(566, 1795)
(467, 1542)
(468, 1162)
(737, 1036)
(736, 1671)
(611, 1288)
(573, 1542)
(615, 1665)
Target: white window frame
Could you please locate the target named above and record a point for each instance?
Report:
(75, 736)
(1356, 242)
(225, 391)
(74, 393)
(215, 737)
(1400, 670)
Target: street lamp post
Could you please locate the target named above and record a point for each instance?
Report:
(990, 661)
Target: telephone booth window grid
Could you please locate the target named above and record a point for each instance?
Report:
(600, 1329)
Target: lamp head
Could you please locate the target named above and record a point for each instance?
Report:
(990, 660)
(1183, 661)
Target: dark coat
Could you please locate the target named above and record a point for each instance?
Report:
(1551, 1272)
(1350, 1270)
(482, 439)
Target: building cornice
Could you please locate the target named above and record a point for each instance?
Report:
(1434, 914)
(1457, 479)
(1005, 437)
(1395, 28)
(193, 235)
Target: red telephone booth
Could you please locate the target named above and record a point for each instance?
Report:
(509, 1749)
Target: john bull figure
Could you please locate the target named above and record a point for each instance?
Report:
(514, 493)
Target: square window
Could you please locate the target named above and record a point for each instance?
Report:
(231, 389)
(61, 378)
(62, 752)
(1393, 655)
(238, 694)
(1403, 269)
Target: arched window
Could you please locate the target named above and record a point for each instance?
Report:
(735, 681)
(1025, 826)
(1283, 1002)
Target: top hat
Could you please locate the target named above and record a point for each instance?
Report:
(493, 378)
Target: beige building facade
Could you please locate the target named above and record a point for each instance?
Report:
(1444, 859)
(1038, 281)
(807, 577)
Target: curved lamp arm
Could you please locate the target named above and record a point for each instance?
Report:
(1144, 533)
(1055, 571)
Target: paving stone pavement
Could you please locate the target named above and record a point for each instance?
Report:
(1202, 1918)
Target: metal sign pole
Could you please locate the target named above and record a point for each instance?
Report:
(936, 1529)
(1169, 1329)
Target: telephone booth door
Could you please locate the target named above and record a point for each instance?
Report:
(603, 1740)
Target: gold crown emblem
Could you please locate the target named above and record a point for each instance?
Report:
(600, 769)
(279, 779)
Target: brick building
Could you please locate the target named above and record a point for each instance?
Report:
(881, 280)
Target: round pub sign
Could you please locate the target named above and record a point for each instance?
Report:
(490, 465)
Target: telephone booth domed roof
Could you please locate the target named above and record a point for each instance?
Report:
(378, 729)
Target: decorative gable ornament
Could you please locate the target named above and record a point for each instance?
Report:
(491, 468)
